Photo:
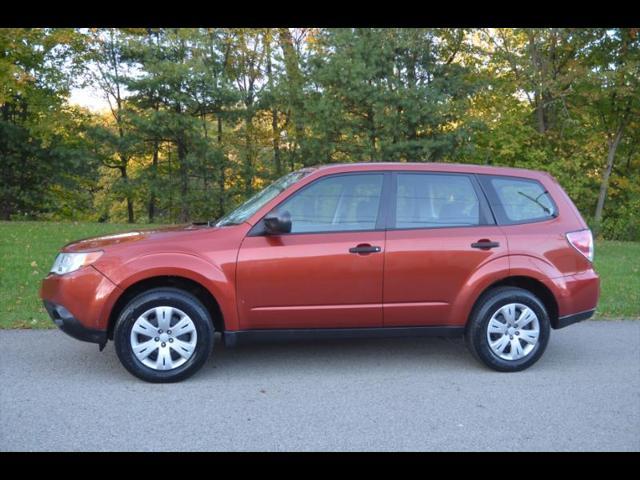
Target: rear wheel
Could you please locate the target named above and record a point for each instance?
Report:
(509, 329)
(164, 335)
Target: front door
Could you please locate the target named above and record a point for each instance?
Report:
(326, 273)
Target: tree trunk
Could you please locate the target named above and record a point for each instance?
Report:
(294, 87)
(276, 142)
(275, 134)
(542, 127)
(372, 135)
(130, 209)
(154, 175)
(604, 185)
(184, 180)
(125, 177)
(540, 72)
(248, 145)
(221, 175)
(5, 211)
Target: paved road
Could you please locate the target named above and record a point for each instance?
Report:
(398, 394)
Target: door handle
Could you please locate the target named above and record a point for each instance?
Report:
(485, 244)
(365, 248)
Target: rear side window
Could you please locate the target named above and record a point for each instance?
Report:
(435, 200)
(518, 200)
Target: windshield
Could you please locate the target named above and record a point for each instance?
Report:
(255, 203)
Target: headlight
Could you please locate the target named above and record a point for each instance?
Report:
(70, 262)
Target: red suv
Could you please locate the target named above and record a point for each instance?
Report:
(498, 255)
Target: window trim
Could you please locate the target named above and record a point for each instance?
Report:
(258, 229)
(495, 204)
(486, 215)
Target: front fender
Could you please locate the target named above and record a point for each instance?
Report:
(217, 279)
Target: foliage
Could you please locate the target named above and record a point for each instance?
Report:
(199, 118)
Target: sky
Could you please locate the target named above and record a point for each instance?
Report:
(89, 98)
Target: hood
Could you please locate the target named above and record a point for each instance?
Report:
(111, 240)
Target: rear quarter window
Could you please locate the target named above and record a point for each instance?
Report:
(518, 200)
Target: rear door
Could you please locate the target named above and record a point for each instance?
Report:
(326, 273)
(440, 232)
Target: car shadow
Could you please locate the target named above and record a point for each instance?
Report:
(320, 357)
(354, 355)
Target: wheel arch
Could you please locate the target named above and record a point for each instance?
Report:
(175, 281)
(531, 284)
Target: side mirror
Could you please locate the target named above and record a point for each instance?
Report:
(276, 223)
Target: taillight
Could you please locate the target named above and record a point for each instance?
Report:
(582, 241)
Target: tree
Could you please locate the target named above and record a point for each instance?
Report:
(36, 68)
(200, 118)
(387, 94)
(610, 91)
(109, 73)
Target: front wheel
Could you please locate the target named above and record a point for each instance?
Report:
(164, 335)
(508, 330)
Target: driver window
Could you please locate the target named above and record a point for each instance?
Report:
(336, 203)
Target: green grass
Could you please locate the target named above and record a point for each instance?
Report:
(618, 264)
(27, 251)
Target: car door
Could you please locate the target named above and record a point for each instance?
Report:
(326, 273)
(440, 232)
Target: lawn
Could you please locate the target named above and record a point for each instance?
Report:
(618, 264)
(27, 251)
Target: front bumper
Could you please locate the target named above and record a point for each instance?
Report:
(71, 326)
(80, 303)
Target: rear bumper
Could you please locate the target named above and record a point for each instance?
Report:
(575, 318)
(577, 297)
(71, 326)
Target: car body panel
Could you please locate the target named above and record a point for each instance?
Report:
(204, 255)
(86, 293)
(421, 277)
(426, 270)
(310, 281)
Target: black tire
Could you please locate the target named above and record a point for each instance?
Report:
(164, 296)
(476, 330)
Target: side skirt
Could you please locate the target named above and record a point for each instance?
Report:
(233, 338)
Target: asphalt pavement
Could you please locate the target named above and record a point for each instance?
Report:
(423, 394)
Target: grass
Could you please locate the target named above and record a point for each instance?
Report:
(618, 264)
(27, 251)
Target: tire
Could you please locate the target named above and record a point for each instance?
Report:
(164, 355)
(506, 334)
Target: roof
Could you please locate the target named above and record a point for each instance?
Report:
(434, 167)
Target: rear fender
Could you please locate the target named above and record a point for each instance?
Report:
(491, 272)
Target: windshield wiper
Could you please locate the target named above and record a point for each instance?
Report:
(208, 223)
(213, 223)
(538, 202)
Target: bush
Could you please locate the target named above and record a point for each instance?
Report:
(622, 224)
